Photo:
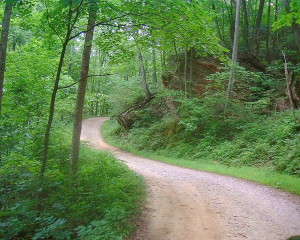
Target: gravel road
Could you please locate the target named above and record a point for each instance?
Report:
(186, 204)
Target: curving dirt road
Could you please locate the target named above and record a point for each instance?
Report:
(185, 204)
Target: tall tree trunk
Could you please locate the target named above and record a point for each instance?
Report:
(192, 54)
(3, 46)
(213, 6)
(276, 35)
(143, 75)
(50, 120)
(52, 105)
(289, 92)
(246, 26)
(163, 59)
(55, 90)
(154, 68)
(257, 26)
(85, 64)
(268, 32)
(232, 20)
(185, 72)
(234, 50)
(70, 66)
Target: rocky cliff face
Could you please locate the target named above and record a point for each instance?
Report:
(190, 75)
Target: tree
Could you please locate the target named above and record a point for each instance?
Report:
(268, 31)
(3, 45)
(143, 75)
(257, 26)
(85, 64)
(154, 68)
(246, 25)
(72, 17)
(234, 50)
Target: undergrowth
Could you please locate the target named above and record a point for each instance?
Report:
(101, 203)
(265, 150)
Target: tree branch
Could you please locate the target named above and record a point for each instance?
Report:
(98, 24)
(107, 23)
(49, 24)
(77, 13)
(100, 75)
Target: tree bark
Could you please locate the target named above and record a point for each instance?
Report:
(192, 53)
(234, 50)
(217, 25)
(66, 41)
(289, 83)
(163, 59)
(3, 46)
(185, 72)
(231, 20)
(85, 64)
(143, 75)
(246, 25)
(275, 36)
(70, 66)
(257, 26)
(52, 105)
(154, 70)
(268, 32)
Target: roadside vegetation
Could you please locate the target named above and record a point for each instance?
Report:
(244, 137)
(101, 204)
(256, 154)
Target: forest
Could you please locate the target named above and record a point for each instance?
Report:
(211, 85)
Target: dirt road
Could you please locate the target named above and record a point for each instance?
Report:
(185, 204)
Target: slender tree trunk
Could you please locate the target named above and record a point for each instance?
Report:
(52, 105)
(163, 59)
(234, 51)
(217, 25)
(257, 26)
(185, 73)
(289, 83)
(70, 66)
(192, 53)
(154, 72)
(54, 92)
(246, 26)
(275, 36)
(175, 50)
(3, 46)
(143, 75)
(49, 124)
(232, 20)
(85, 64)
(97, 108)
(268, 32)
(14, 44)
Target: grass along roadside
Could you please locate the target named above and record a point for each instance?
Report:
(260, 175)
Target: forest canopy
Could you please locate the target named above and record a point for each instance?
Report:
(209, 81)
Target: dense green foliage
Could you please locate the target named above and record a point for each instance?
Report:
(267, 142)
(245, 131)
(99, 206)
(138, 44)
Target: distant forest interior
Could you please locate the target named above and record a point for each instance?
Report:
(211, 85)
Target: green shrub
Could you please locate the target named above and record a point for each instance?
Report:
(106, 193)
